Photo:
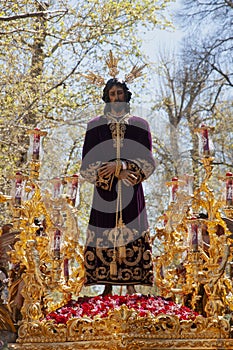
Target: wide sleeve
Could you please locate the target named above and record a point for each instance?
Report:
(140, 158)
(92, 157)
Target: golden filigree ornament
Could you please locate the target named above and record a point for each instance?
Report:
(190, 269)
(123, 327)
(4, 198)
(112, 63)
(194, 265)
(50, 270)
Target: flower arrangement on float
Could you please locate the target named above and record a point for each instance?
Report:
(101, 305)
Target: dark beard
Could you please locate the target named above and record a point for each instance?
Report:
(118, 106)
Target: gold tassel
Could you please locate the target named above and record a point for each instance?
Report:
(121, 242)
(122, 252)
(113, 266)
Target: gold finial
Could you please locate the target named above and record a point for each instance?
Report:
(135, 73)
(112, 65)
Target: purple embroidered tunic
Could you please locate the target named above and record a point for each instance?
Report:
(113, 199)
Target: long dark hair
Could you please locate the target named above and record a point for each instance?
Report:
(116, 82)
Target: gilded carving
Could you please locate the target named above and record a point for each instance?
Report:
(47, 285)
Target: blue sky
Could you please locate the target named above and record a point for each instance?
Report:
(156, 40)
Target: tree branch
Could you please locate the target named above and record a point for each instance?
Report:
(61, 82)
(30, 14)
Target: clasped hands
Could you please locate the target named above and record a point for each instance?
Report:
(129, 177)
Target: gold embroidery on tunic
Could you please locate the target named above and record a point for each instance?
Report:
(90, 237)
(89, 257)
(105, 182)
(113, 129)
(90, 173)
(121, 121)
(137, 170)
(145, 166)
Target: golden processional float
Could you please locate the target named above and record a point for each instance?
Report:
(46, 270)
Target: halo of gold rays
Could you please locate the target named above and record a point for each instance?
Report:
(112, 63)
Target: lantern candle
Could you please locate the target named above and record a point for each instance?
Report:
(174, 189)
(66, 269)
(188, 184)
(56, 187)
(229, 189)
(165, 219)
(205, 140)
(36, 136)
(36, 145)
(194, 235)
(73, 189)
(18, 188)
(57, 244)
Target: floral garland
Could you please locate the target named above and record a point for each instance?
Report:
(101, 305)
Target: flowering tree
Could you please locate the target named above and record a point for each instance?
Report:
(45, 45)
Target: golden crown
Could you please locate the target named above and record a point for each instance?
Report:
(112, 63)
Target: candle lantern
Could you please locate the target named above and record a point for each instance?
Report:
(57, 244)
(206, 148)
(72, 189)
(174, 189)
(57, 187)
(165, 219)
(18, 188)
(229, 189)
(35, 149)
(194, 234)
(188, 184)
